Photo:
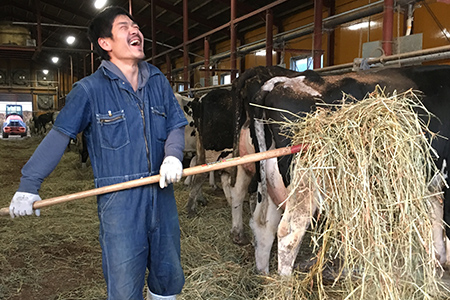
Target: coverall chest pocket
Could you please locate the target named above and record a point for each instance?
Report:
(113, 130)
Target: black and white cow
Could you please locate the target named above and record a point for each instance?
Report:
(299, 93)
(79, 144)
(212, 115)
(41, 121)
(189, 132)
(190, 138)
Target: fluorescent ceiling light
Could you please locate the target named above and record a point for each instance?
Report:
(262, 52)
(99, 3)
(361, 25)
(70, 39)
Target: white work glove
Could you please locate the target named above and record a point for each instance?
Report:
(170, 171)
(22, 204)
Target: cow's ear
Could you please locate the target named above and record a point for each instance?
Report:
(313, 76)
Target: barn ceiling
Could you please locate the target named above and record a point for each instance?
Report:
(60, 18)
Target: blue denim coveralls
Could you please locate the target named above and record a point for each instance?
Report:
(139, 227)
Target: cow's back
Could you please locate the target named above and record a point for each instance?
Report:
(213, 117)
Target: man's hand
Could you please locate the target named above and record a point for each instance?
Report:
(170, 171)
(22, 204)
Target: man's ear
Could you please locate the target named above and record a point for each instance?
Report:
(104, 44)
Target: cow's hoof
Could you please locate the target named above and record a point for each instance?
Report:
(240, 239)
(202, 200)
(191, 212)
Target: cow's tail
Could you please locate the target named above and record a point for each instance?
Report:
(238, 94)
(261, 145)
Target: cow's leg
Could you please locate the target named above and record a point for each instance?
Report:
(192, 163)
(225, 179)
(238, 193)
(212, 181)
(195, 194)
(296, 219)
(264, 231)
(447, 248)
(244, 174)
(437, 215)
(84, 154)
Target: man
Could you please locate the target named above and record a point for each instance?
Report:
(134, 128)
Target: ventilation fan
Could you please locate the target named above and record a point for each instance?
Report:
(3, 80)
(44, 79)
(45, 101)
(20, 77)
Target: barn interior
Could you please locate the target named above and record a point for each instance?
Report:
(199, 45)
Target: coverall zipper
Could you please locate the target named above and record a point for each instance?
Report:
(102, 121)
(145, 137)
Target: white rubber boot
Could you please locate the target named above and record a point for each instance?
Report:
(151, 296)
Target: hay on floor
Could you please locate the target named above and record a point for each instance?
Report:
(372, 162)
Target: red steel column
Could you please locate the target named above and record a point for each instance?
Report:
(317, 48)
(185, 46)
(388, 23)
(152, 21)
(130, 7)
(169, 68)
(206, 50)
(331, 35)
(84, 66)
(269, 37)
(92, 58)
(39, 28)
(233, 40)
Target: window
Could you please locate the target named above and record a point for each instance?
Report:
(181, 87)
(303, 63)
(225, 79)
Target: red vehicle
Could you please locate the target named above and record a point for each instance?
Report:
(14, 124)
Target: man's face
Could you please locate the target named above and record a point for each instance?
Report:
(127, 41)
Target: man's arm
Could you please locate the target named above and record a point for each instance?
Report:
(172, 168)
(43, 161)
(174, 145)
(39, 166)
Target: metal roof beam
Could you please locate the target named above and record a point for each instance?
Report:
(178, 11)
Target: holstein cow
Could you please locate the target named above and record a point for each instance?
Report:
(190, 139)
(213, 119)
(243, 90)
(189, 132)
(299, 93)
(41, 121)
(79, 145)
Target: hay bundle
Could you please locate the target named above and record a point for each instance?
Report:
(372, 163)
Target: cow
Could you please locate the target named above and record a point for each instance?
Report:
(190, 139)
(213, 117)
(189, 132)
(80, 145)
(41, 121)
(299, 93)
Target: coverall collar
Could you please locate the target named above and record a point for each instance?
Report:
(115, 73)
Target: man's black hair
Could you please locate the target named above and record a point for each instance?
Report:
(101, 27)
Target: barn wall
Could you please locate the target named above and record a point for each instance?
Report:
(423, 22)
(348, 42)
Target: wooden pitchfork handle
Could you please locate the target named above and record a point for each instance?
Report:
(221, 164)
